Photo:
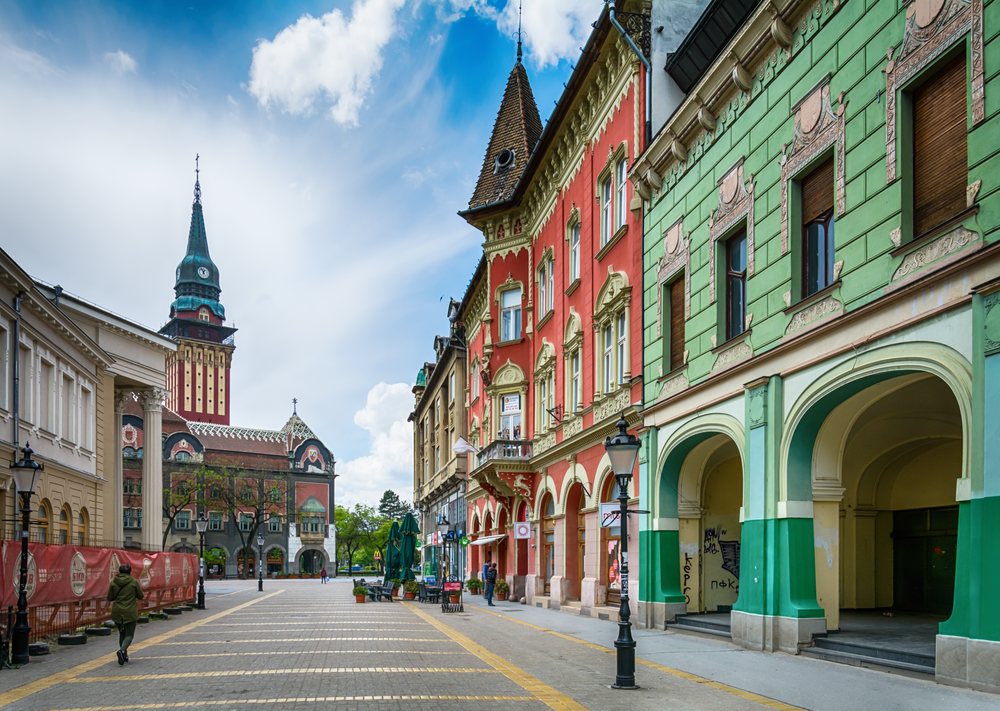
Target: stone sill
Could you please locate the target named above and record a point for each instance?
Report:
(615, 239)
(936, 232)
(812, 298)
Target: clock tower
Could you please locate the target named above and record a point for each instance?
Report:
(198, 374)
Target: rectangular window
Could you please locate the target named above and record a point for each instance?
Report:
(475, 380)
(574, 253)
(46, 395)
(24, 388)
(86, 418)
(552, 286)
(621, 349)
(510, 315)
(673, 330)
(274, 525)
(817, 229)
(609, 345)
(183, 520)
(215, 521)
(940, 147)
(3, 368)
(510, 416)
(575, 390)
(543, 284)
(543, 399)
(607, 211)
(246, 522)
(68, 431)
(736, 285)
(622, 193)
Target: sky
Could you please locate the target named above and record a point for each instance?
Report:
(338, 140)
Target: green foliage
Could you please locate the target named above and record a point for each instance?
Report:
(392, 507)
(501, 587)
(411, 586)
(360, 590)
(474, 585)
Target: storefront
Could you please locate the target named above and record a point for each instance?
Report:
(275, 561)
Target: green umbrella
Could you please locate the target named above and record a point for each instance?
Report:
(408, 546)
(392, 557)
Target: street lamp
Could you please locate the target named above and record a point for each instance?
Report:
(442, 527)
(202, 525)
(623, 450)
(260, 567)
(25, 474)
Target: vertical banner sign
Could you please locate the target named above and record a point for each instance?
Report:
(624, 573)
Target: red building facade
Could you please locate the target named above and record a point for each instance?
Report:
(554, 333)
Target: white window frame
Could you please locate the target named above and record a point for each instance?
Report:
(543, 398)
(182, 522)
(246, 522)
(451, 385)
(622, 189)
(274, 524)
(510, 329)
(515, 420)
(215, 521)
(608, 338)
(574, 252)
(622, 353)
(607, 209)
(575, 380)
(552, 284)
(543, 282)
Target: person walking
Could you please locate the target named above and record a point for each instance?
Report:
(123, 593)
(322, 576)
(491, 580)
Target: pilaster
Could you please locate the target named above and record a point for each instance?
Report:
(117, 480)
(152, 468)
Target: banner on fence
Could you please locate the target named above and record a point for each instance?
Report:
(62, 573)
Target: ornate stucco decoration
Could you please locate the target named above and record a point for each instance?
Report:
(675, 384)
(944, 246)
(543, 443)
(613, 404)
(817, 127)
(732, 354)
(735, 203)
(509, 375)
(991, 319)
(813, 313)
(932, 26)
(573, 427)
(757, 407)
(896, 236)
(676, 256)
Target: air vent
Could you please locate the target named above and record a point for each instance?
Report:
(503, 161)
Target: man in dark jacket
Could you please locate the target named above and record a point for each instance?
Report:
(123, 593)
(491, 580)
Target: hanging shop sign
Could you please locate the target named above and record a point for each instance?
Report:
(464, 540)
(453, 587)
(522, 530)
(610, 514)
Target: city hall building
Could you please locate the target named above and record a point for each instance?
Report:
(821, 335)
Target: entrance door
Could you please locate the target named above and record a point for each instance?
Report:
(549, 542)
(311, 562)
(924, 544)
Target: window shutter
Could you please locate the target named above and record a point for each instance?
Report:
(677, 324)
(940, 147)
(817, 192)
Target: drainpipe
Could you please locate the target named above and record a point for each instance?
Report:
(649, 74)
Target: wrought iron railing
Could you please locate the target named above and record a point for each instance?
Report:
(517, 450)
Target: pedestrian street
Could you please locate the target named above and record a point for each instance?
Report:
(303, 645)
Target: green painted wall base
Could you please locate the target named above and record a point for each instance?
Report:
(661, 567)
(778, 569)
(977, 573)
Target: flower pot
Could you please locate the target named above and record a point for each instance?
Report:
(455, 597)
(409, 596)
(359, 598)
(501, 596)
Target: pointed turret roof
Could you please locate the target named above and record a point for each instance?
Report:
(197, 275)
(516, 129)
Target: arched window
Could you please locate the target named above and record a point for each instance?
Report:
(43, 522)
(129, 453)
(81, 528)
(64, 518)
(203, 314)
(183, 456)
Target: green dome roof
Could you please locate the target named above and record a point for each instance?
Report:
(197, 275)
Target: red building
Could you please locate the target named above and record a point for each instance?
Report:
(554, 334)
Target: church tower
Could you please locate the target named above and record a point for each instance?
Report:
(198, 374)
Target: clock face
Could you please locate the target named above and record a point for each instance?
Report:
(203, 272)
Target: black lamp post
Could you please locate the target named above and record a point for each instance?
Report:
(201, 525)
(25, 474)
(623, 450)
(442, 527)
(260, 561)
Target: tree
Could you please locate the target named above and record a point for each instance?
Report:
(392, 507)
(250, 499)
(180, 491)
(350, 536)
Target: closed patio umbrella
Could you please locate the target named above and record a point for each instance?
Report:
(392, 557)
(408, 546)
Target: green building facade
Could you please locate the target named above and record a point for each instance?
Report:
(821, 347)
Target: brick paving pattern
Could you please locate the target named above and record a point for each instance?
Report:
(300, 645)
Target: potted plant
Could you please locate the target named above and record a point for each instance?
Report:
(474, 585)
(395, 586)
(360, 593)
(411, 588)
(501, 589)
(455, 596)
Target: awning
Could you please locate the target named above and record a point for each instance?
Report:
(487, 539)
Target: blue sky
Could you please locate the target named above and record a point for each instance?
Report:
(338, 140)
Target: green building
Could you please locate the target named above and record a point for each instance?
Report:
(822, 352)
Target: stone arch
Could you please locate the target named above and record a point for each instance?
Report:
(509, 373)
(546, 356)
(547, 485)
(615, 288)
(854, 375)
(575, 473)
(574, 326)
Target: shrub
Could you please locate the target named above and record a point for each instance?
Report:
(474, 585)
(502, 587)
(411, 586)
(360, 590)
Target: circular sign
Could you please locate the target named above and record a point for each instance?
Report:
(78, 574)
(522, 530)
(464, 540)
(30, 587)
(146, 576)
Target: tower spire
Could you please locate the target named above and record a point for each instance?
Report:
(519, 31)
(197, 185)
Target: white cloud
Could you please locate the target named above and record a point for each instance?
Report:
(121, 63)
(389, 463)
(416, 178)
(329, 59)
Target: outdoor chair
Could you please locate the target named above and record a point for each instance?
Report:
(432, 596)
(421, 592)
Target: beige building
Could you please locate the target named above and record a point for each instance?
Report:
(68, 363)
(439, 419)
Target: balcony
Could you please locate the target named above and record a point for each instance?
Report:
(504, 450)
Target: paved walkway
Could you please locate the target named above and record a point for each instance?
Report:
(303, 645)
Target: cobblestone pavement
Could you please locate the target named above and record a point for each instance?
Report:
(303, 645)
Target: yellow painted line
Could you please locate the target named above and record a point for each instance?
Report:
(310, 622)
(750, 696)
(546, 694)
(9, 697)
(282, 640)
(309, 651)
(299, 700)
(268, 672)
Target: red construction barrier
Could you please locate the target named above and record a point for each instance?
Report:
(68, 585)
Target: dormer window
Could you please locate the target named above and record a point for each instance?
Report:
(203, 314)
(503, 161)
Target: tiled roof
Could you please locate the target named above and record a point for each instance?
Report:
(517, 128)
(298, 429)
